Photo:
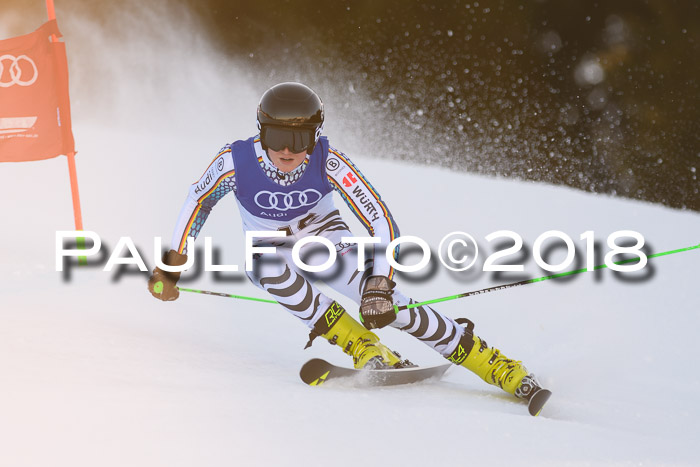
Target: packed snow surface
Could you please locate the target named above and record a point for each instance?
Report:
(94, 371)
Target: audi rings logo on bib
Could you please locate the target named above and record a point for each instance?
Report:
(280, 201)
(21, 71)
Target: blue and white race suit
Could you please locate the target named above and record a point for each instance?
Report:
(300, 203)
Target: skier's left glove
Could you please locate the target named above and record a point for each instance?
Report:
(377, 307)
(163, 284)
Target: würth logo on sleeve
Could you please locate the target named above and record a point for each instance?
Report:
(366, 201)
(349, 180)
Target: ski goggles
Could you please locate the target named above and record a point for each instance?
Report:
(277, 139)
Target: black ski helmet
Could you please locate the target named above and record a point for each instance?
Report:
(290, 115)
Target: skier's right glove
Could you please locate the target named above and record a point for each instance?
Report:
(377, 306)
(163, 284)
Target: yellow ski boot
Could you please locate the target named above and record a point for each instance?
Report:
(339, 328)
(492, 366)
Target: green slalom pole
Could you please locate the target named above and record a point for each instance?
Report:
(532, 281)
(462, 295)
(227, 295)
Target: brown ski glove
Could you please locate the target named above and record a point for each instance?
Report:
(163, 284)
(377, 307)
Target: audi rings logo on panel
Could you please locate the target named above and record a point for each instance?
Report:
(285, 201)
(22, 71)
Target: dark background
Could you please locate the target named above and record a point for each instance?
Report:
(602, 96)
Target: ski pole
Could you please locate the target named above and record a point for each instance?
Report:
(531, 281)
(462, 295)
(226, 295)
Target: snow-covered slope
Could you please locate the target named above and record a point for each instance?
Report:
(97, 372)
(94, 371)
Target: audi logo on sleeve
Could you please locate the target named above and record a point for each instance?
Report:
(21, 71)
(280, 201)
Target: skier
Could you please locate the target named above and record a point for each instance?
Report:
(283, 180)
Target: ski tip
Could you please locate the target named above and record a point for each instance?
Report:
(320, 380)
(312, 370)
(537, 401)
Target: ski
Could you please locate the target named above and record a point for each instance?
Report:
(317, 371)
(537, 401)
